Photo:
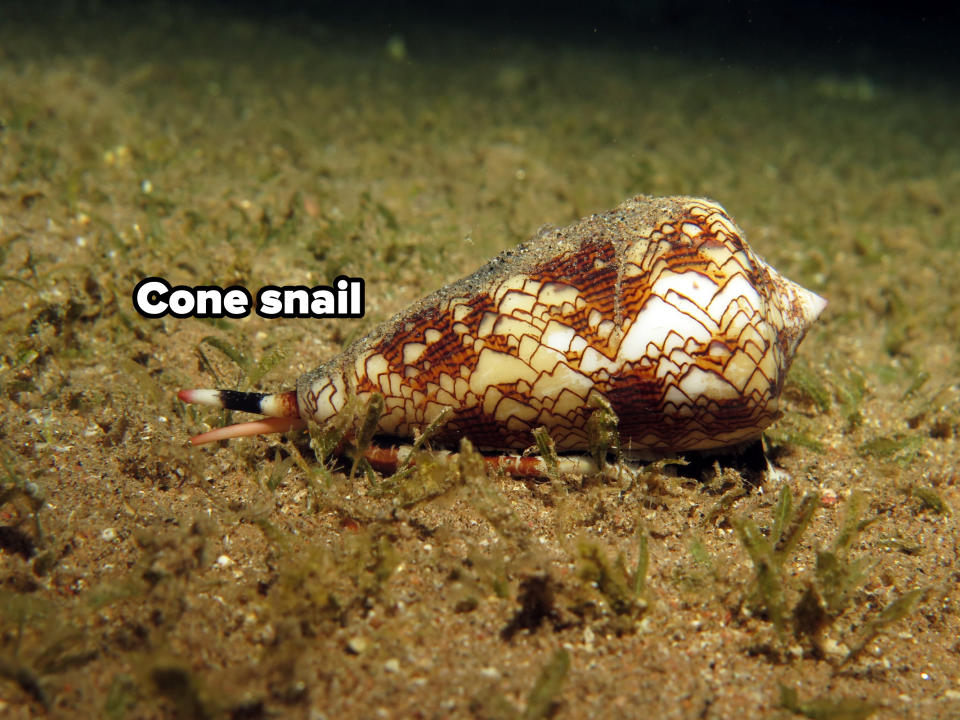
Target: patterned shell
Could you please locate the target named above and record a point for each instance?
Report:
(658, 305)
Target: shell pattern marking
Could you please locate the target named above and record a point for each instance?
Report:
(658, 305)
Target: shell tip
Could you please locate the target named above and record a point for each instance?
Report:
(811, 305)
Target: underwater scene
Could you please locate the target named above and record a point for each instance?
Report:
(515, 361)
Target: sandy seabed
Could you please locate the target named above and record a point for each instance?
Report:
(140, 578)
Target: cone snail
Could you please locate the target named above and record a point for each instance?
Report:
(659, 307)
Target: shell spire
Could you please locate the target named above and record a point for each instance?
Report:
(802, 309)
(659, 307)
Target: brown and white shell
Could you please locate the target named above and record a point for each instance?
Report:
(659, 306)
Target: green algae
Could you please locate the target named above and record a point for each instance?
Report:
(221, 150)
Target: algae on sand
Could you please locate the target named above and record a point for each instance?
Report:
(266, 149)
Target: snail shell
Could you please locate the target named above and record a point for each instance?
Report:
(658, 306)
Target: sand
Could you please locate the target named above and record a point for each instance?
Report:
(142, 578)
